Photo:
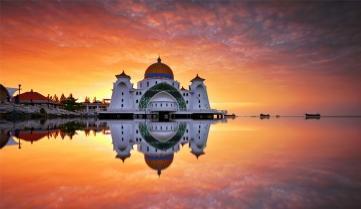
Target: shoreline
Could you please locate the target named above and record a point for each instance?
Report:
(16, 112)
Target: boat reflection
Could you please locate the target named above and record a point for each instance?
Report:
(157, 141)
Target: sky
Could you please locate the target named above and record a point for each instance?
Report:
(278, 57)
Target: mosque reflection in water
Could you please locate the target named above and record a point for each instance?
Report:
(158, 141)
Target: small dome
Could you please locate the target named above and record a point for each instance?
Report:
(123, 157)
(163, 132)
(159, 70)
(122, 75)
(163, 136)
(197, 78)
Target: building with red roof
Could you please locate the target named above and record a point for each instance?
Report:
(32, 97)
(31, 135)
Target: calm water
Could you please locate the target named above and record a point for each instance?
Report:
(241, 163)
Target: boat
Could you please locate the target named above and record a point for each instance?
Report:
(312, 116)
(231, 115)
(264, 116)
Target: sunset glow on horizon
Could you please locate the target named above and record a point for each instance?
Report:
(286, 58)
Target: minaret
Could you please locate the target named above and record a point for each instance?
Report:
(199, 97)
(122, 98)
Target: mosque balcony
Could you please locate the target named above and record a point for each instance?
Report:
(163, 106)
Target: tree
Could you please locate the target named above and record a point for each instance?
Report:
(55, 98)
(62, 99)
(71, 97)
(94, 100)
(71, 104)
(87, 100)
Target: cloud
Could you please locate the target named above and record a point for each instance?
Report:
(278, 44)
(268, 32)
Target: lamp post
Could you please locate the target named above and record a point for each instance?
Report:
(19, 93)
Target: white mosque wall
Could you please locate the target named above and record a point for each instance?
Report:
(123, 137)
(199, 96)
(126, 134)
(147, 83)
(199, 134)
(122, 95)
(125, 97)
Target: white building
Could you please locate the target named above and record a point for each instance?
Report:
(158, 94)
(158, 141)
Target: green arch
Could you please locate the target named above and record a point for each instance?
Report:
(159, 88)
(158, 144)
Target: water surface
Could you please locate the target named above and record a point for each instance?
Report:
(241, 163)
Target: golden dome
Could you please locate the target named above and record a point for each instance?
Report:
(159, 162)
(159, 70)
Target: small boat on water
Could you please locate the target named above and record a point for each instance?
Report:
(231, 115)
(312, 116)
(264, 116)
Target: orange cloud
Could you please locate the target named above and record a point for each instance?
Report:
(249, 53)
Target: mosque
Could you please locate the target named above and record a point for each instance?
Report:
(158, 141)
(158, 95)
